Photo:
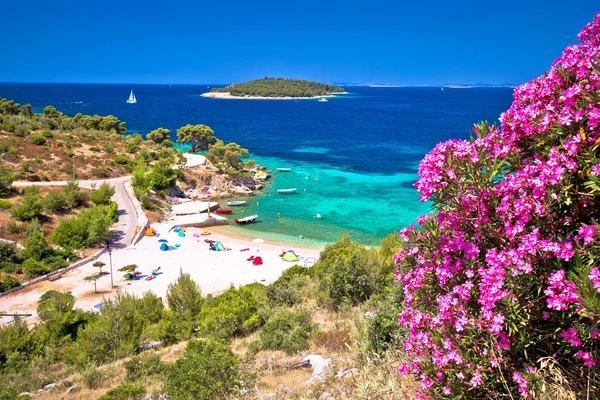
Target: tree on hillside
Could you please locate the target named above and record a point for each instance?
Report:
(158, 135)
(6, 179)
(199, 137)
(102, 195)
(31, 207)
(227, 155)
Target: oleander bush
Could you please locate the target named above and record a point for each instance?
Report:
(503, 276)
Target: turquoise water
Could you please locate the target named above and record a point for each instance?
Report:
(363, 147)
(366, 206)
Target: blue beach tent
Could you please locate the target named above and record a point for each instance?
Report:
(164, 247)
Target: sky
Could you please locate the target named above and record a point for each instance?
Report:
(427, 42)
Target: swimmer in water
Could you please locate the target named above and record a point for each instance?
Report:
(278, 215)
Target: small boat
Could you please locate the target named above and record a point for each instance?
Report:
(287, 191)
(131, 99)
(223, 211)
(322, 100)
(246, 220)
(237, 203)
(284, 169)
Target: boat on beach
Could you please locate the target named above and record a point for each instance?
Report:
(287, 191)
(237, 203)
(246, 220)
(131, 99)
(284, 169)
(223, 211)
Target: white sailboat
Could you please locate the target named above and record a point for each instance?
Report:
(131, 99)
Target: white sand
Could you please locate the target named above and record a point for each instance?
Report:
(213, 271)
(227, 95)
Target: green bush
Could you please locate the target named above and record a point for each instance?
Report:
(21, 131)
(8, 251)
(208, 370)
(382, 331)
(55, 201)
(102, 195)
(95, 149)
(5, 205)
(235, 312)
(8, 282)
(350, 273)
(93, 377)
(6, 179)
(125, 391)
(74, 195)
(288, 331)
(108, 149)
(89, 228)
(287, 290)
(37, 139)
(144, 365)
(35, 268)
(47, 133)
(12, 227)
(31, 207)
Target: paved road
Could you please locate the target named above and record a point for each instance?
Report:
(127, 224)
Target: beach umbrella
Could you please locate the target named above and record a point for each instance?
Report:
(162, 241)
(258, 241)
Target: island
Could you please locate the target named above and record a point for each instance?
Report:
(275, 88)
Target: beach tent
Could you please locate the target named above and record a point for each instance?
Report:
(149, 232)
(177, 228)
(219, 246)
(257, 261)
(164, 247)
(290, 256)
(181, 234)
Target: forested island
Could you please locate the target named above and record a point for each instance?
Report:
(275, 88)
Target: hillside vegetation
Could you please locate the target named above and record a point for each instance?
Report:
(280, 87)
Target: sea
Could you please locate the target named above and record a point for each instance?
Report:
(353, 159)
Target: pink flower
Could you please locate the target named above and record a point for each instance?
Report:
(595, 170)
(522, 382)
(586, 356)
(594, 275)
(561, 292)
(571, 335)
(446, 390)
(476, 379)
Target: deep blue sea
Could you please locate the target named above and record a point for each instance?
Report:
(364, 148)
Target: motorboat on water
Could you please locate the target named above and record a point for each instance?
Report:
(287, 191)
(284, 169)
(323, 100)
(246, 220)
(237, 203)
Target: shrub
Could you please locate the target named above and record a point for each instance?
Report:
(288, 331)
(108, 149)
(12, 227)
(47, 133)
(22, 131)
(93, 377)
(102, 195)
(207, 370)
(8, 251)
(287, 290)
(31, 207)
(235, 312)
(349, 272)
(35, 268)
(55, 201)
(125, 391)
(37, 139)
(74, 195)
(6, 179)
(5, 205)
(505, 273)
(382, 330)
(95, 149)
(8, 282)
(89, 228)
(144, 365)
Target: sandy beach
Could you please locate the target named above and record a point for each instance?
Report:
(213, 271)
(227, 95)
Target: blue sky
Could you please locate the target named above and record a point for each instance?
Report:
(415, 42)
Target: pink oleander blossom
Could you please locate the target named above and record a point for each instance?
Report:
(571, 335)
(594, 276)
(587, 358)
